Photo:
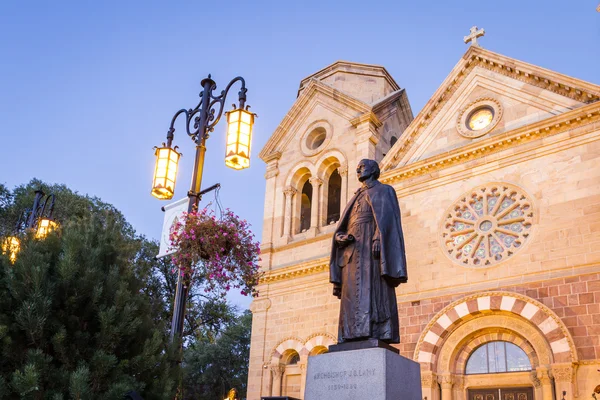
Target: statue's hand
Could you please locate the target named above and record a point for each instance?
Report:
(343, 239)
(376, 249)
(337, 290)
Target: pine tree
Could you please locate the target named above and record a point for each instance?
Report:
(77, 320)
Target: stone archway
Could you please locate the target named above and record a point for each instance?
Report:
(455, 331)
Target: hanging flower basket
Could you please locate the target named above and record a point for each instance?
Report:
(220, 251)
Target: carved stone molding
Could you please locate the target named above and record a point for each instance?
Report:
(543, 375)
(549, 316)
(535, 380)
(277, 370)
(287, 273)
(446, 381)
(429, 380)
(290, 191)
(343, 170)
(315, 181)
(563, 372)
(573, 88)
(260, 305)
(495, 144)
(464, 114)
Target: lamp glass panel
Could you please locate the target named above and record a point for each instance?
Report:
(165, 173)
(246, 117)
(234, 116)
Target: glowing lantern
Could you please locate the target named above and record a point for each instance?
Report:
(11, 246)
(239, 132)
(165, 173)
(45, 226)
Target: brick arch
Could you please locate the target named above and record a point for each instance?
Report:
(319, 340)
(461, 311)
(290, 343)
(487, 336)
(447, 357)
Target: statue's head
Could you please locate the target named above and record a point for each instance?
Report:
(367, 169)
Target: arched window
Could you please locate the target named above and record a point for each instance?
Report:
(393, 141)
(334, 195)
(495, 357)
(305, 206)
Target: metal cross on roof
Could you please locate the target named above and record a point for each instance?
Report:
(472, 37)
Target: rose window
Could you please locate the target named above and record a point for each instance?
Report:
(488, 225)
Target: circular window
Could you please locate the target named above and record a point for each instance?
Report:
(487, 225)
(479, 118)
(315, 139)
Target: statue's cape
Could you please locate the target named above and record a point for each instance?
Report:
(386, 210)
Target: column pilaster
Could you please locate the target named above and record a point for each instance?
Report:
(429, 385)
(277, 371)
(446, 381)
(543, 375)
(289, 193)
(315, 205)
(343, 171)
(563, 374)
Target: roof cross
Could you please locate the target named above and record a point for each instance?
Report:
(473, 35)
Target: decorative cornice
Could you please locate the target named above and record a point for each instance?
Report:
(548, 127)
(477, 56)
(295, 271)
(346, 66)
(366, 117)
(303, 100)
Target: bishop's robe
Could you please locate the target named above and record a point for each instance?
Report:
(368, 306)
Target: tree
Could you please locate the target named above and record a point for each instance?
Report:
(78, 317)
(213, 365)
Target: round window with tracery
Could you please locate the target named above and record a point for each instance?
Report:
(487, 225)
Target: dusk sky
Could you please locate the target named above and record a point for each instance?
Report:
(87, 88)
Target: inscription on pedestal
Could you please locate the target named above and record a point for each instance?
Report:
(374, 374)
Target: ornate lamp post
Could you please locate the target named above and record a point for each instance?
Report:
(38, 218)
(199, 122)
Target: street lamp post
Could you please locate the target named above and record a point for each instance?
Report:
(38, 218)
(199, 122)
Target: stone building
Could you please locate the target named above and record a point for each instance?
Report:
(498, 180)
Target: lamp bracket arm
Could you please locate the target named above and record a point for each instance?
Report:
(171, 131)
(213, 117)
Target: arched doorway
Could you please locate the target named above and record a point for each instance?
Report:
(455, 334)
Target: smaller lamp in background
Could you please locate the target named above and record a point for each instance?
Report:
(165, 172)
(239, 136)
(11, 246)
(45, 226)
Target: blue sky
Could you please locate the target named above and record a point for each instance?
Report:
(87, 88)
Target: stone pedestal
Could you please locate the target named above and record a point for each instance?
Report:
(365, 374)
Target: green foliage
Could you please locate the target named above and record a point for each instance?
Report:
(82, 313)
(216, 363)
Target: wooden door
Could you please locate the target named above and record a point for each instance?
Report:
(518, 393)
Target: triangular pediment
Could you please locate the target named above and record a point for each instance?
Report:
(314, 97)
(510, 93)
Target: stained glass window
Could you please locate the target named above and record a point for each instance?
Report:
(488, 225)
(496, 357)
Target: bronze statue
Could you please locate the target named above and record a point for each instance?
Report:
(368, 261)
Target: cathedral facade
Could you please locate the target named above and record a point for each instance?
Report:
(498, 181)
